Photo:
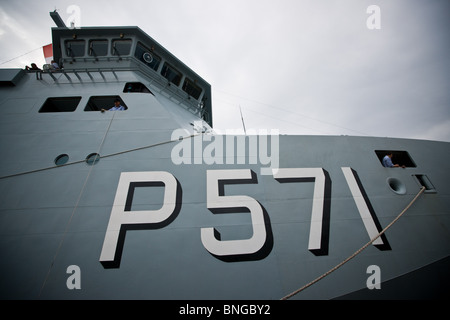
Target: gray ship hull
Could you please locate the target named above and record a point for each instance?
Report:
(57, 218)
(150, 203)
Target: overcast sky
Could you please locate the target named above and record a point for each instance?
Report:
(299, 66)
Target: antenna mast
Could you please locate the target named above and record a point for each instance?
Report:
(242, 118)
(57, 19)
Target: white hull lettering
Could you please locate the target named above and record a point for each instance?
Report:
(320, 207)
(216, 201)
(122, 218)
(256, 247)
(363, 204)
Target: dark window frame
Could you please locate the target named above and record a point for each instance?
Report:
(70, 52)
(192, 89)
(136, 87)
(139, 52)
(93, 53)
(60, 104)
(171, 74)
(116, 52)
(398, 157)
(106, 102)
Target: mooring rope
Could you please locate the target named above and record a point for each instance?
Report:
(357, 252)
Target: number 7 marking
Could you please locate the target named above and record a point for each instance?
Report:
(320, 216)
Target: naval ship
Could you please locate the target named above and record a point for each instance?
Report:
(149, 202)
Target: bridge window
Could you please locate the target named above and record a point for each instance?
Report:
(97, 103)
(98, 48)
(147, 56)
(192, 89)
(171, 74)
(75, 48)
(121, 47)
(60, 104)
(398, 157)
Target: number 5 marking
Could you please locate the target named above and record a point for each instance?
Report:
(253, 248)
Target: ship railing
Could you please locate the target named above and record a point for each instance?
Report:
(172, 92)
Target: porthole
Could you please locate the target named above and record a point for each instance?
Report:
(61, 159)
(396, 186)
(92, 159)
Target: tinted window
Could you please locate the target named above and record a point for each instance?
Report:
(60, 104)
(98, 48)
(75, 48)
(97, 103)
(171, 74)
(398, 157)
(121, 47)
(135, 87)
(192, 89)
(147, 56)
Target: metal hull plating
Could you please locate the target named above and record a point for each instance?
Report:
(58, 217)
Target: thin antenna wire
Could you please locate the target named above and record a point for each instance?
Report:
(20, 56)
(242, 118)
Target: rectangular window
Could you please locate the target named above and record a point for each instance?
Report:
(147, 56)
(401, 158)
(136, 87)
(121, 47)
(60, 104)
(75, 48)
(424, 181)
(192, 89)
(171, 74)
(98, 103)
(98, 48)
